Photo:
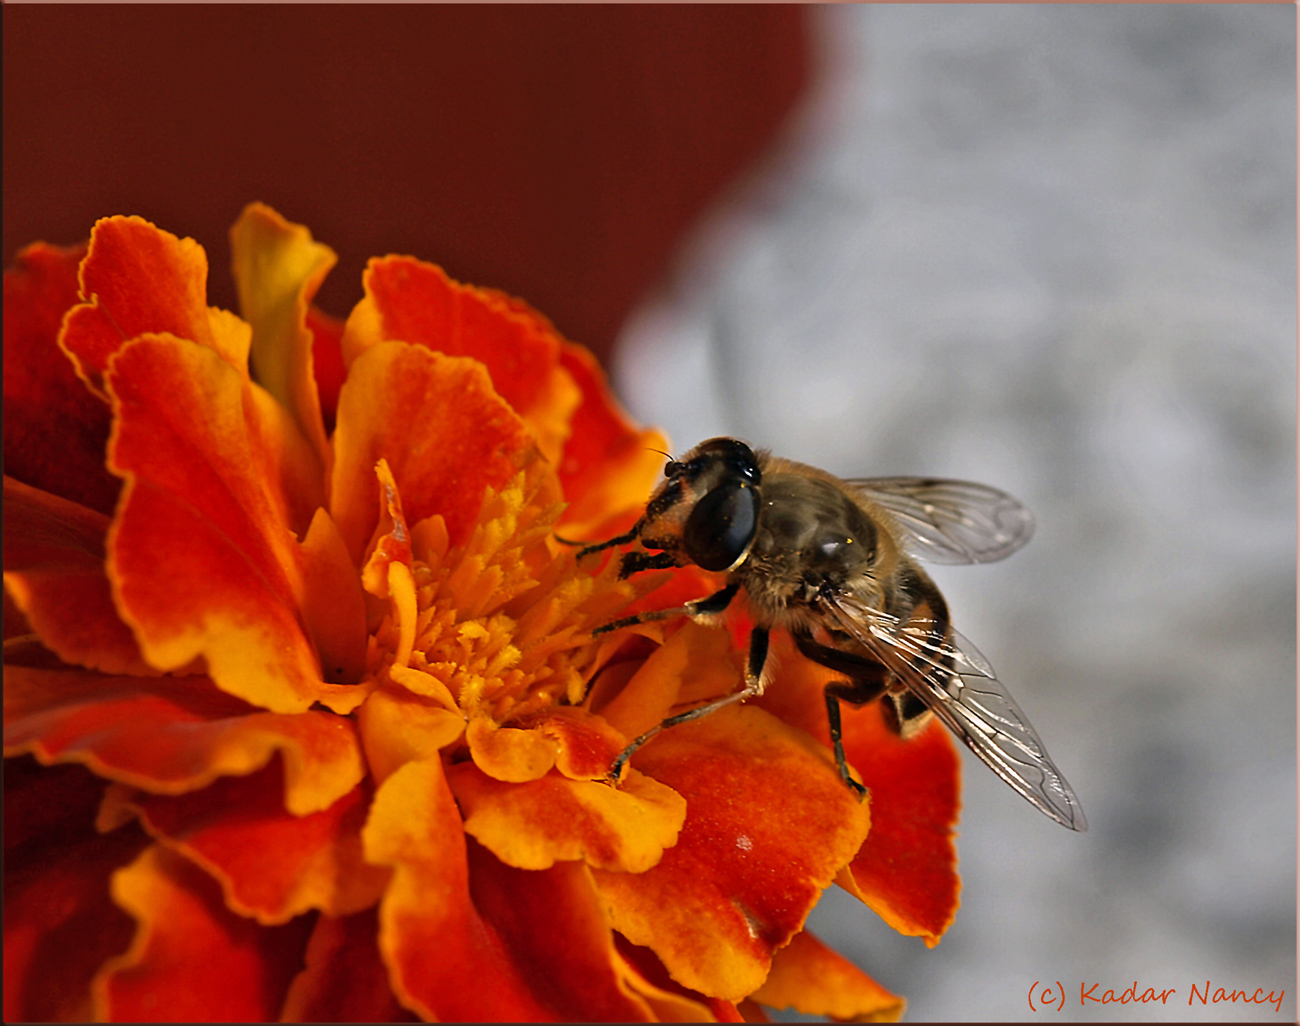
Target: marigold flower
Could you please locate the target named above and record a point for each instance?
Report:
(305, 715)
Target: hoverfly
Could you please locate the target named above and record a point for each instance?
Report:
(834, 563)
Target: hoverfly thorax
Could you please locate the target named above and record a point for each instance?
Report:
(816, 541)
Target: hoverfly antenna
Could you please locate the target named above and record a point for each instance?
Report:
(669, 467)
(672, 468)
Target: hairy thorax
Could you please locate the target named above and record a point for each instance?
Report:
(813, 542)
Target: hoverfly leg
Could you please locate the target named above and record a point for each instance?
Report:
(707, 606)
(833, 718)
(867, 681)
(635, 562)
(718, 602)
(905, 714)
(622, 539)
(753, 686)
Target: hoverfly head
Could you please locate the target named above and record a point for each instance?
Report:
(708, 505)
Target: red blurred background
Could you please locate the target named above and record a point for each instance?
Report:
(558, 153)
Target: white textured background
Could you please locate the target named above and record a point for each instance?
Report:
(1053, 248)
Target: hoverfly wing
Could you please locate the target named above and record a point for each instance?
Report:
(951, 521)
(958, 685)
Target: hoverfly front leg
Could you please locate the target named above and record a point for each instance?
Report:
(635, 562)
(867, 680)
(622, 539)
(708, 606)
(753, 686)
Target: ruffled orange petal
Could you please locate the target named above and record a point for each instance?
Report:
(609, 464)
(508, 753)
(553, 923)
(398, 727)
(907, 870)
(55, 430)
(455, 914)
(175, 734)
(580, 745)
(278, 268)
(55, 573)
(138, 279)
(695, 664)
(535, 824)
(327, 362)
(768, 825)
(201, 554)
(333, 605)
(809, 977)
(344, 979)
(408, 300)
(271, 865)
(446, 435)
(193, 960)
(59, 922)
(671, 1001)
(444, 961)
(587, 744)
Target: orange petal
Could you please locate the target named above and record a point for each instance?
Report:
(609, 465)
(696, 657)
(581, 745)
(271, 865)
(408, 300)
(508, 753)
(671, 1001)
(907, 870)
(55, 430)
(389, 571)
(587, 744)
(55, 573)
(432, 938)
(175, 734)
(192, 959)
(333, 603)
(201, 554)
(533, 825)
(327, 362)
(768, 825)
(344, 979)
(446, 435)
(278, 268)
(809, 977)
(553, 923)
(59, 922)
(137, 278)
(398, 727)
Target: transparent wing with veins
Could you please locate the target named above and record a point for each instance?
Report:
(958, 685)
(951, 521)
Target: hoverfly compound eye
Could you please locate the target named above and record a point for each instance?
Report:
(721, 527)
(731, 453)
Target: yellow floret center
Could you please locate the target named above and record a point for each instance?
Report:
(503, 621)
